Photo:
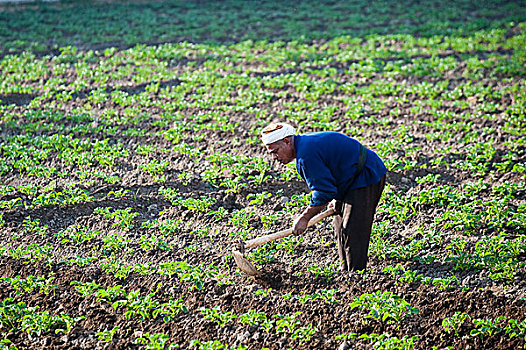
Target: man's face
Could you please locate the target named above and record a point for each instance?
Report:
(282, 151)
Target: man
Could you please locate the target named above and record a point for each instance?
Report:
(336, 168)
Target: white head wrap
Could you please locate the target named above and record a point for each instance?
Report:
(275, 132)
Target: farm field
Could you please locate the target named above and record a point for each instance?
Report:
(131, 165)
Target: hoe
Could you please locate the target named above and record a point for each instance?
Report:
(245, 266)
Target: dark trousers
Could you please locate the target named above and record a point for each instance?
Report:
(353, 224)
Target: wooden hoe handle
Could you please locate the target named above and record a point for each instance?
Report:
(273, 236)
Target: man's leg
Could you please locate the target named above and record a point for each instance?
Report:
(357, 221)
(340, 238)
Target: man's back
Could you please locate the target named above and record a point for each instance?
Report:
(327, 161)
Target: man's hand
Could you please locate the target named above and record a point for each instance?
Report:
(300, 225)
(336, 205)
(302, 222)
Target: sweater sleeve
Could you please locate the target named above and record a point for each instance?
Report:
(319, 179)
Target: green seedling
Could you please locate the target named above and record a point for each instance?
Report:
(76, 235)
(33, 226)
(217, 316)
(157, 341)
(323, 271)
(455, 322)
(107, 335)
(287, 323)
(385, 306)
(487, 327)
(253, 318)
(387, 342)
(156, 169)
(214, 345)
(122, 218)
(31, 283)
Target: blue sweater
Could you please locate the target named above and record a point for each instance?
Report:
(327, 162)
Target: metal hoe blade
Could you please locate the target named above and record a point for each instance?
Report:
(244, 265)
